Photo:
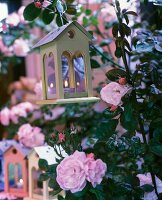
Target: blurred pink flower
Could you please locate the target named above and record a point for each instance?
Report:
(100, 106)
(38, 89)
(46, 3)
(147, 179)
(13, 19)
(30, 136)
(113, 92)
(7, 196)
(4, 49)
(5, 116)
(56, 113)
(20, 110)
(20, 47)
(61, 137)
(20, 13)
(95, 170)
(70, 172)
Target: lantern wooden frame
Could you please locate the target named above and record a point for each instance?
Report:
(73, 39)
(33, 160)
(16, 155)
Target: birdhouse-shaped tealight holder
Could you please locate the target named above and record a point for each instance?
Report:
(66, 69)
(39, 190)
(15, 170)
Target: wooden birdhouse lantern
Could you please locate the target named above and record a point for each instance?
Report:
(4, 145)
(39, 190)
(66, 70)
(16, 172)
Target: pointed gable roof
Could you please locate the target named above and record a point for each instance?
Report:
(23, 150)
(56, 32)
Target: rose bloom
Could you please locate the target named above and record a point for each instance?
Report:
(5, 116)
(95, 170)
(56, 113)
(13, 19)
(146, 179)
(20, 13)
(113, 92)
(30, 136)
(20, 110)
(20, 47)
(38, 89)
(70, 172)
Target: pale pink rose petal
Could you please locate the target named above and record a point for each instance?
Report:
(13, 19)
(20, 47)
(113, 92)
(56, 113)
(5, 116)
(70, 172)
(30, 136)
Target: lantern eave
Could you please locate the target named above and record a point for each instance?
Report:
(70, 100)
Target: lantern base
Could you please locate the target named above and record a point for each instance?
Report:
(70, 100)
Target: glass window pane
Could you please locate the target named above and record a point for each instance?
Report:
(37, 185)
(67, 74)
(11, 170)
(79, 68)
(50, 76)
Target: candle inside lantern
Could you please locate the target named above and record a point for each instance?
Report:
(51, 85)
(66, 84)
(20, 183)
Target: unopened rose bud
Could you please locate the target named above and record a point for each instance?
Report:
(122, 81)
(113, 108)
(38, 4)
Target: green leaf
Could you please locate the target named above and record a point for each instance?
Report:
(115, 30)
(147, 188)
(157, 149)
(43, 177)
(88, 12)
(118, 52)
(48, 16)
(115, 74)
(43, 164)
(131, 13)
(31, 12)
(98, 193)
(85, 21)
(53, 184)
(94, 64)
(71, 10)
(59, 21)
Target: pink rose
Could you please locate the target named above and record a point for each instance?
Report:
(30, 136)
(70, 172)
(20, 47)
(20, 110)
(113, 92)
(145, 179)
(20, 13)
(38, 89)
(61, 137)
(5, 116)
(56, 113)
(95, 170)
(13, 19)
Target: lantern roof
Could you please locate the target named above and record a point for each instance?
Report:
(48, 153)
(6, 144)
(23, 150)
(56, 32)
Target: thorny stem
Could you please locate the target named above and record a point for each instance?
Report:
(134, 94)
